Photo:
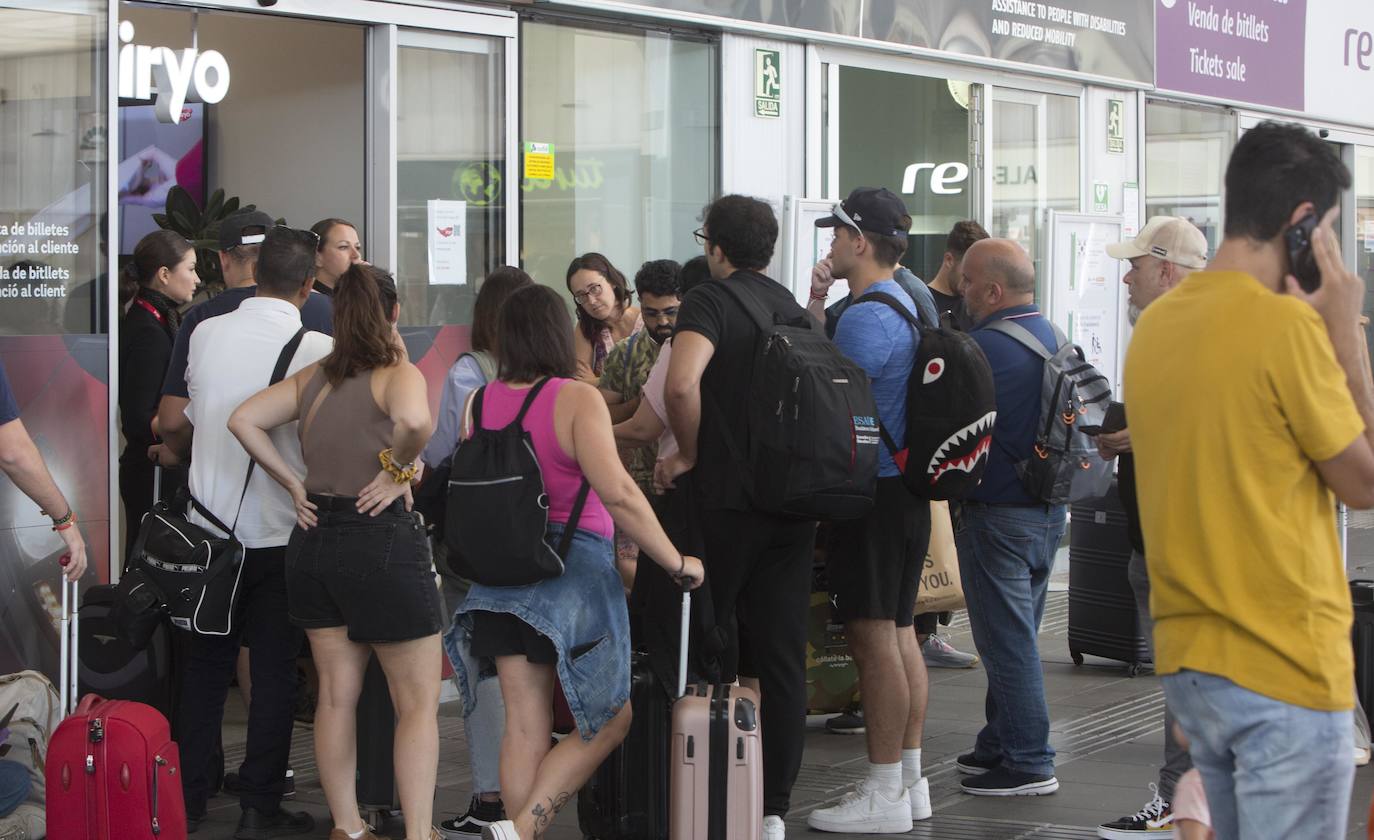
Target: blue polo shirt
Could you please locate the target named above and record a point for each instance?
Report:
(881, 342)
(918, 291)
(9, 408)
(1016, 373)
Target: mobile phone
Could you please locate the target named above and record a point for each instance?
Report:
(1301, 263)
(1113, 421)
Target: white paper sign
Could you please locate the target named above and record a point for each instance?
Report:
(448, 252)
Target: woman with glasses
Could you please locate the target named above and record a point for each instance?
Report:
(157, 282)
(337, 247)
(358, 572)
(604, 313)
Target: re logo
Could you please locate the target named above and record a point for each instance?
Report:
(182, 76)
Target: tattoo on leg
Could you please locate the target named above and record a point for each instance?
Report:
(543, 816)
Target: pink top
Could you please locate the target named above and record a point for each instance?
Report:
(562, 475)
(653, 392)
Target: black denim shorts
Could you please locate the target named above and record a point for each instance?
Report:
(371, 574)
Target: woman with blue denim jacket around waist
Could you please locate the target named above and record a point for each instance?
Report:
(359, 577)
(574, 626)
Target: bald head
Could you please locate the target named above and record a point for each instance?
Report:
(996, 274)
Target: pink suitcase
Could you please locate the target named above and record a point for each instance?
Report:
(716, 787)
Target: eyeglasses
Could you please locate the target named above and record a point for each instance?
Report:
(592, 290)
(700, 236)
(654, 314)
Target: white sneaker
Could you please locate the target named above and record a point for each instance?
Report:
(500, 830)
(774, 828)
(864, 810)
(920, 799)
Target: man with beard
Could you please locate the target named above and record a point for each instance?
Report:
(1167, 250)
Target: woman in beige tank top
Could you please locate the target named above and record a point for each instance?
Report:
(358, 569)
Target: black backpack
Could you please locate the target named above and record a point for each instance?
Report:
(812, 428)
(951, 405)
(497, 512)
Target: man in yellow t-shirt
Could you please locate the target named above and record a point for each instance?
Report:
(1250, 401)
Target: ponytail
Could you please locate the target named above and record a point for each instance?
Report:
(128, 285)
(363, 301)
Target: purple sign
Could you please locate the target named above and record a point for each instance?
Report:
(1236, 50)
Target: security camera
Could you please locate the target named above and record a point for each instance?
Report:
(1322, 133)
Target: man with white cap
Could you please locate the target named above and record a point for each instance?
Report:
(1167, 250)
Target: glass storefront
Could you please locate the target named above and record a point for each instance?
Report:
(1186, 149)
(631, 122)
(909, 134)
(1364, 227)
(450, 159)
(54, 115)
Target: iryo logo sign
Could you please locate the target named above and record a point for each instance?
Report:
(944, 177)
(181, 76)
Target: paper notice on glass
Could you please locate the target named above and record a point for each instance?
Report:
(1089, 326)
(448, 251)
(1130, 210)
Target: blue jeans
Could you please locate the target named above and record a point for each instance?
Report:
(1271, 769)
(14, 786)
(1006, 554)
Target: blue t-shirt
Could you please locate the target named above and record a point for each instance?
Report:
(9, 409)
(881, 342)
(316, 315)
(1016, 374)
(911, 284)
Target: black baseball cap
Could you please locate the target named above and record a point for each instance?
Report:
(246, 227)
(873, 209)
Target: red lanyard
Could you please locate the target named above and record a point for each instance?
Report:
(161, 319)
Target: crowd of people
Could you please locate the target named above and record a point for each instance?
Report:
(1227, 469)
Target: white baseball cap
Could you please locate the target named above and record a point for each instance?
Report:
(1170, 238)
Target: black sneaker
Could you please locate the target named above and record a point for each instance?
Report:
(1156, 819)
(847, 723)
(255, 825)
(971, 765)
(479, 815)
(233, 784)
(1000, 781)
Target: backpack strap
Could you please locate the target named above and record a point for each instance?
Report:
(750, 305)
(485, 362)
(1026, 338)
(524, 407)
(574, 517)
(896, 305)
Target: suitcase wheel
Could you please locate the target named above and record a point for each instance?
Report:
(1134, 669)
(1077, 657)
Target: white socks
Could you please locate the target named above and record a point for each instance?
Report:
(911, 767)
(360, 833)
(886, 778)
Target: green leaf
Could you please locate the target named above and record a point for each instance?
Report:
(215, 206)
(161, 220)
(183, 225)
(179, 201)
(230, 205)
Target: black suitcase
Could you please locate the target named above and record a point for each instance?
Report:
(110, 667)
(1103, 619)
(376, 787)
(1362, 637)
(627, 796)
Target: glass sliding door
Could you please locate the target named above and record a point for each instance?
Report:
(450, 172)
(1186, 149)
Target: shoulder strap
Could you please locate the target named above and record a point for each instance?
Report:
(884, 297)
(574, 517)
(529, 401)
(284, 358)
(747, 303)
(1024, 336)
(485, 362)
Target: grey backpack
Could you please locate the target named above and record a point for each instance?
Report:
(1064, 465)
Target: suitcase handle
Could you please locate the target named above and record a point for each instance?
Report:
(682, 645)
(68, 666)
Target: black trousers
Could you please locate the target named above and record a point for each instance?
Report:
(275, 643)
(759, 567)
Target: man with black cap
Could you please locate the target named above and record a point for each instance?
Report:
(240, 237)
(874, 563)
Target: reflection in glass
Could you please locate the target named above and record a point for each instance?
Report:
(911, 135)
(1034, 165)
(52, 169)
(1186, 149)
(631, 119)
(1364, 226)
(450, 130)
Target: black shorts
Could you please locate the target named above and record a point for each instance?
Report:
(502, 634)
(371, 574)
(874, 563)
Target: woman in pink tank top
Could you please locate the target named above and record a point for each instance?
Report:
(574, 626)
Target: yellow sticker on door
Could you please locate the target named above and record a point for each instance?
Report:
(539, 161)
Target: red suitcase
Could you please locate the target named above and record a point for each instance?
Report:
(112, 770)
(716, 788)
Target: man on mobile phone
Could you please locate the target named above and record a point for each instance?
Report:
(1250, 405)
(1166, 250)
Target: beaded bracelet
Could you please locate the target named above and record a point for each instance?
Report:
(400, 473)
(62, 523)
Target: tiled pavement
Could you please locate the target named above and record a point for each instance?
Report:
(1107, 728)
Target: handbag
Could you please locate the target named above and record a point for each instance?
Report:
(941, 588)
(193, 572)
